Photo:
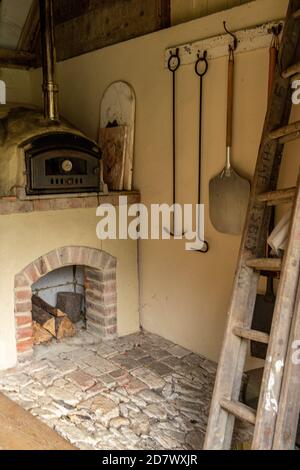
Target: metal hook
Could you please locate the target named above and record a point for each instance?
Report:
(275, 30)
(235, 39)
(174, 61)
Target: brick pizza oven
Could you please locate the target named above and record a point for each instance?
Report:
(50, 186)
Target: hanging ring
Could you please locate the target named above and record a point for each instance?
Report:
(174, 61)
(201, 60)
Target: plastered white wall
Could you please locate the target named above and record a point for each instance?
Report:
(183, 296)
(18, 85)
(25, 237)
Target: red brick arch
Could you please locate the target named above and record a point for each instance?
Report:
(100, 291)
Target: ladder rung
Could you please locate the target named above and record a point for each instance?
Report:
(295, 77)
(239, 410)
(296, 14)
(253, 335)
(280, 196)
(265, 264)
(285, 130)
(292, 70)
(289, 137)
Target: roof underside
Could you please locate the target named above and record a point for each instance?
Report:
(13, 14)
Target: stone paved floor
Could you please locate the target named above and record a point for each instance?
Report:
(137, 392)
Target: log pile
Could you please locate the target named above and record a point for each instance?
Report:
(49, 322)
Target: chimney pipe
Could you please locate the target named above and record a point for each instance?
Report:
(50, 88)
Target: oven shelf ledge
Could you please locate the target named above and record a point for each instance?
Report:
(50, 202)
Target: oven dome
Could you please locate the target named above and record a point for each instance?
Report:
(19, 128)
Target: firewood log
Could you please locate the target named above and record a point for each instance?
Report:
(40, 335)
(56, 312)
(44, 319)
(64, 327)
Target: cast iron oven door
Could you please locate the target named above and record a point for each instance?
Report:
(62, 163)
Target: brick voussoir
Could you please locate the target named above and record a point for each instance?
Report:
(76, 255)
(21, 281)
(32, 273)
(64, 256)
(42, 266)
(53, 260)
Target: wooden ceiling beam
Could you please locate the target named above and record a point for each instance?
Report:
(16, 59)
(30, 33)
(92, 24)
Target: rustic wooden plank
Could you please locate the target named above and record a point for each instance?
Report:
(234, 349)
(279, 337)
(289, 404)
(291, 71)
(239, 410)
(265, 264)
(20, 430)
(280, 196)
(285, 130)
(103, 23)
(16, 59)
(30, 33)
(253, 335)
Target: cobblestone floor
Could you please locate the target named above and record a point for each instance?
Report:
(137, 392)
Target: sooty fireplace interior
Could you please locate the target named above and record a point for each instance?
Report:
(57, 163)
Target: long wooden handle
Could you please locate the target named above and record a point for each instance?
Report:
(272, 68)
(230, 100)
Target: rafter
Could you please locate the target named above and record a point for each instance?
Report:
(16, 59)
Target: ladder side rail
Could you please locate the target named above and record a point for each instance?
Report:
(234, 349)
(268, 405)
(289, 404)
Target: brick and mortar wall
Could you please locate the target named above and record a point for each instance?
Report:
(101, 301)
(100, 284)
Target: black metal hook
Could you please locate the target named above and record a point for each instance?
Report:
(235, 39)
(275, 31)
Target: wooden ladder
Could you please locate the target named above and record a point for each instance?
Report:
(273, 417)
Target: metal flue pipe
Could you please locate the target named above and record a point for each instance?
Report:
(50, 88)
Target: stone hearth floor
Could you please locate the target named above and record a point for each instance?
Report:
(137, 392)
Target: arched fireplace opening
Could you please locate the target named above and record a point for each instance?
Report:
(95, 281)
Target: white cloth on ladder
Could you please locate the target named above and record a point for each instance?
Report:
(279, 237)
